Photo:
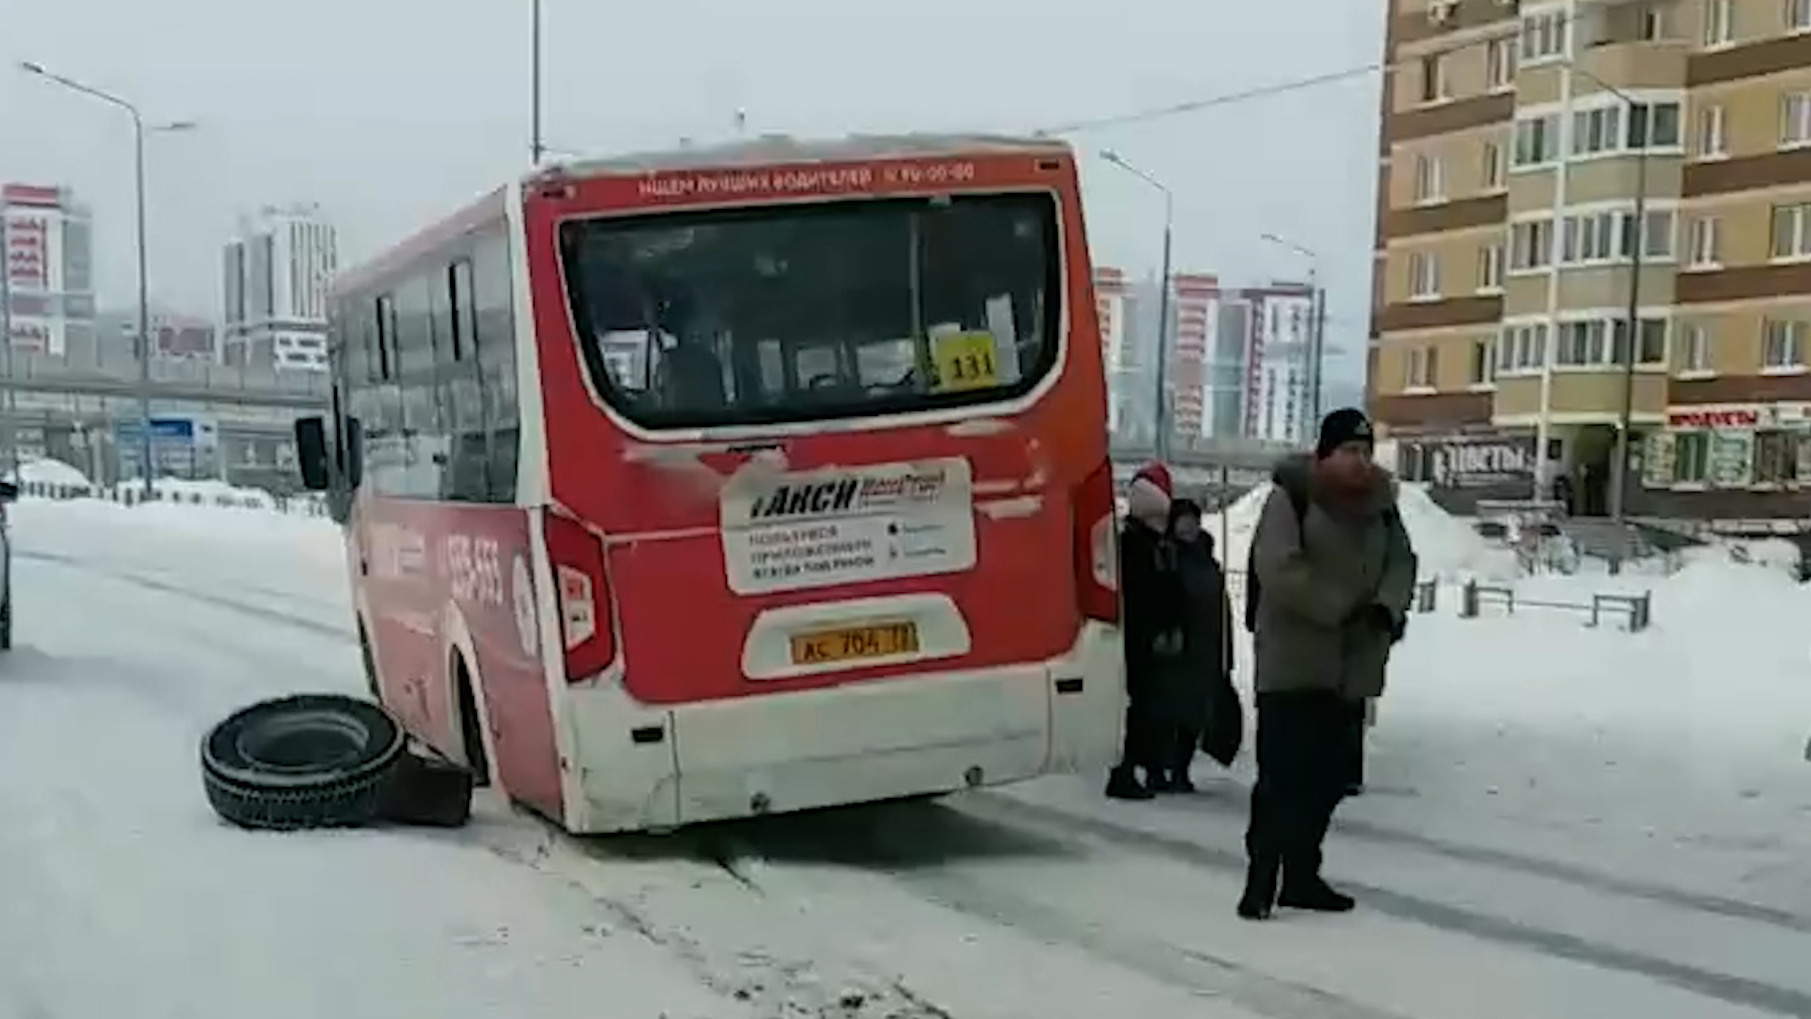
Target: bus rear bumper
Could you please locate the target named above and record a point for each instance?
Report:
(893, 739)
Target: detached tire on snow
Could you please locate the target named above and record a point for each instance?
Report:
(307, 761)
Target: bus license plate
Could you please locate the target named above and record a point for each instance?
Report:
(854, 643)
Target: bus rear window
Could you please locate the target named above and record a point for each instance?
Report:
(808, 312)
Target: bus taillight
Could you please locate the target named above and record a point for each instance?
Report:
(587, 631)
(1096, 553)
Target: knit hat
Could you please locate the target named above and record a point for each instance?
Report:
(1347, 424)
(1148, 496)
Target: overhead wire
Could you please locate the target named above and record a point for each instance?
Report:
(1255, 93)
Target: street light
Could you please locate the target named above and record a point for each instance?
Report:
(1162, 413)
(1317, 335)
(139, 129)
(537, 150)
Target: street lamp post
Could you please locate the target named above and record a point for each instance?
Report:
(1317, 333)
(1161, 415)
(6, 333)
(537, 148)
(144, 294)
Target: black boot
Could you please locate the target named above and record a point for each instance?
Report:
(1312, 893)
(1260, 888)
(1123, 784)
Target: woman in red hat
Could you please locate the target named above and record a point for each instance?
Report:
(1155, 622)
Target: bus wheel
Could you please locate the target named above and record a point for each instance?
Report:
(471, 727)
(307, 761)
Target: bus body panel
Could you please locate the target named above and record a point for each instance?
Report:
(635, 665)
(1000, 631)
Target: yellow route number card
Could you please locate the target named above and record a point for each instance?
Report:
(965, 361)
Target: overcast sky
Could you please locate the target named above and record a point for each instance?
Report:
(389, 113)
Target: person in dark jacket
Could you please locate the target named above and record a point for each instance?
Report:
(1195, 688)
(1334, 583)
(1153, 630)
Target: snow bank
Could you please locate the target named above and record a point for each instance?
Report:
(46, 471)
(1726, 665)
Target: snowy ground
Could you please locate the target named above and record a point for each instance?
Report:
(1563, 822)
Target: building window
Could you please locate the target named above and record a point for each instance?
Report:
(1656, 234)
(1430, 179)
(1590, 238)
(1424, 275)
(1483, 363)
(1776, 457)
(1713, 137)
(1582, 343)
(1702, 253)
(1422, 368)
(1544, 36)
(1792, 231)
(1434, 85)
(1655, 23)
(1522, 348)
(1798, 15)
(1536, 141)
(1783, 345)
(1531, 244)
(1493, 166)
(1499, 64)
(1719, 22)
(1695, 357)
(1603, 342)
(1653, 126)
(1598, 130)
(1691, 457)
(1795, 119)
(1490, 267)
(1649, 350)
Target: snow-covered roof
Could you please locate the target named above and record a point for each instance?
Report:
(767, 150)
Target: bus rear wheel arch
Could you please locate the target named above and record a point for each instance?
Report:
(471, 722)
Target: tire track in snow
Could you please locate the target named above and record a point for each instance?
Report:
(779, 982)
(1509, 860)
(1555, 944)
(864, 838)
(266, 613)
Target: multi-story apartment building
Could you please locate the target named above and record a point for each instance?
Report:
(276, 275)
(1555, 171)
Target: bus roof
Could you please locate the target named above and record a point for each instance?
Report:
(777, 149)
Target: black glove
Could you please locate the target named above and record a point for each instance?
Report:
(1380, 619)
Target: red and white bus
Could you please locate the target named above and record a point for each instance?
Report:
(712, 482)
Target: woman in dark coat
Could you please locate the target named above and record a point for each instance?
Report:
(1203, 685)
(1154, 606)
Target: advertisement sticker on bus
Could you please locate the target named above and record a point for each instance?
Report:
(825, 528)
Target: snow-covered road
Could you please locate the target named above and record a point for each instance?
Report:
(125, 897)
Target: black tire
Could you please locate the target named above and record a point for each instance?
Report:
(430, 792)
(307, 761)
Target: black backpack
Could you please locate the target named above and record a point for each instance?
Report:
(1298, 501)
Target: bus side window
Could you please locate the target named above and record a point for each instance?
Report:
(467, 477)
(385, 436)
(494, 352)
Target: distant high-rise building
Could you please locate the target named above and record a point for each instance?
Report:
(275, 280)
(1279, 359)
(49, 280)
